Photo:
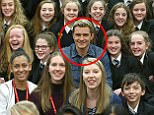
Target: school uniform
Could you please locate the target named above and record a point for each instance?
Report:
(37, 71)
(147, 26)
(142, 109)
(127, 64)
(100, 34)
(66, 37)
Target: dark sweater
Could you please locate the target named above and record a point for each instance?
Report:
(57, 98)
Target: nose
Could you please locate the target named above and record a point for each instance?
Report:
(91, 74)
(131, 90)
(7, 6)
(47, 11)
(13, 38)
(139, 11)
(98, 10)
(20, 68)
(120, 16)
(71, 11)
(57, 67)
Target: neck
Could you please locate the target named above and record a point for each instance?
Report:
(116, 56)
(82, 52)
(20, 84)
(136, 23)
(92, 94)
(7, 19)
(91, 98)
(133, 105)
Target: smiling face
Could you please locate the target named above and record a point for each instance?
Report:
(82, 37)
(139, 12)
(133, 93)
(16, 39)
(114, 46)
(70, 11)
(47, 12)
(92, 76)
(20, 68)
(138, 45)
(120, 17)
(57, 69)
(8, 8)
(97, 11)
(42, 49)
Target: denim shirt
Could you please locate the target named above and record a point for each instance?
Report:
(94, 52)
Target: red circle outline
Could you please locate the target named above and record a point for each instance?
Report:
(63, 54)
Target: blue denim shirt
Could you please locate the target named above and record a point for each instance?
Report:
(94, 52)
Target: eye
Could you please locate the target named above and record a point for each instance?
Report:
(54, 64)
(62, 65)
(86, 72)
(16, 66)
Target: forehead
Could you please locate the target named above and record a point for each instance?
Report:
(140, 5)
(17, 30)
(137, 37)
(97, 3)
(57, 59)
(20, 59)
(7, 1)
(135, 83)
(41, 41)
(91, 67)
(79, 29)
(47, 5)
(113, 37)
(120, 10)
(71, 5)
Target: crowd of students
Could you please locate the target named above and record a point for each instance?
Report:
(104, 64)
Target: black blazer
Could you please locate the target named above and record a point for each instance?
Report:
(100, 35)
(143, 109)
(147, 72)
(36, 72)
(128, 64)
(148, 26)
(67, 38)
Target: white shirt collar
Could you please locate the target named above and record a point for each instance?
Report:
(67, 29)
(140, 25)
(44, 63)
(134, 111)
(126, 2)
(8, 23)
(142, 59)
(118, 58)
(60, 2)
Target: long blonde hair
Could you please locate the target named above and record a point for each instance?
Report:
(18, 16)
(26, 44)
(78, 97)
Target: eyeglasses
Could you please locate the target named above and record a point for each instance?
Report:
(43, 47)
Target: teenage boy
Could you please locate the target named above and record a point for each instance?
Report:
(133, 88)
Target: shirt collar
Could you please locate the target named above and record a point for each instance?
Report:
(8, 23)
(67, 29)
(140, 25)
(90, 52)
(134, 111)
(118, 58)
(142, 58)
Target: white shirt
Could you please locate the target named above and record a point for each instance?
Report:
(140, 25)
(142, 59)
(118, 58)
(134, 111)
(8, 23)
